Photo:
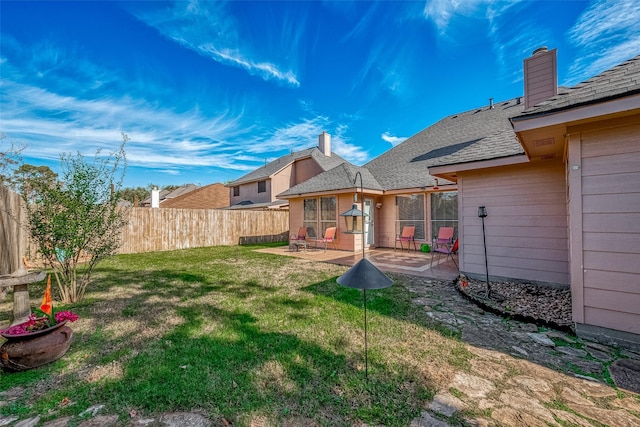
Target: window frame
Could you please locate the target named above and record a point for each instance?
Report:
(317, 220)
(264, 186)
(418, 222)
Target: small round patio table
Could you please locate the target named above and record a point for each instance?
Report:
(20, 283)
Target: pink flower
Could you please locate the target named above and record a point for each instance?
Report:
(15, 330)
(66, 315)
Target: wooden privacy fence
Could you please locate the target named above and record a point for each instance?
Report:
(13, 238)
(163, 229)
(150, 230)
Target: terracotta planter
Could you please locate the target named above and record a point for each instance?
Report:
(28, 351)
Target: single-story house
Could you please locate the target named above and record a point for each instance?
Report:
(558, 172)
(258, 189)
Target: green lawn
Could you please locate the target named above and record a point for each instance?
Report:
(239, 336)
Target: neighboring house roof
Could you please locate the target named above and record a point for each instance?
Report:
(278, 204)
(268, 170)
(339, 178)
(170, 194)
(213, 196)
(620, 81)
(180, 191)
(475, 135)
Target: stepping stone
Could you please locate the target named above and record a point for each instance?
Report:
(626, 374)
(427, 420)
(446, 404)
(541, 339)
(571, 351)
(600, 355)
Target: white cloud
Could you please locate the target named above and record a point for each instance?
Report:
(393, 140)
(207, 29)
(50, 124)
(606, 34)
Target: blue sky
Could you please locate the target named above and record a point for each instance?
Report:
(208, 91)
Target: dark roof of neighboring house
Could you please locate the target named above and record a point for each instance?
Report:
(475, 135)
(212, 196)
(619, 81)
(266, 171)
(338, 178)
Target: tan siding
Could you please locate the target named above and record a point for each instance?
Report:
(305, 169)
(526, 226)
(606, 299)
(612, 319)
(611, 227)
(280, 182)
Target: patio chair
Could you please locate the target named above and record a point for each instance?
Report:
(444, 244)
(329, 237)
(299, 240)
(407, 235)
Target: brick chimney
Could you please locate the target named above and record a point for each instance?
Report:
(324, 143)
(540, 76)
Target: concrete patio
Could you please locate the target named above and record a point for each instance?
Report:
(414, 263)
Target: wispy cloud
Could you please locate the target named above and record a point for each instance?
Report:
(207, 29)
(607, 33)
(510, 36)
(302, 135)
(53, 123)
(393, 140)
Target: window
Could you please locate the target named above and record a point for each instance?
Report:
(318, 220)
(262, 186)
(311, 216)
(236, 191)
(410, 211)
(444, 211)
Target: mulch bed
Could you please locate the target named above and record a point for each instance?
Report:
(533, 303)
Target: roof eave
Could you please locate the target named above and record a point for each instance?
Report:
(450, 172)
(328, 193)
(576, 113)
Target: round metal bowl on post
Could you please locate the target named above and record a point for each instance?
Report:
(364, 275)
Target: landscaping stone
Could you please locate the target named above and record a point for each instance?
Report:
(571, 351)
(541, 339)
(520, 401)
(472, 385)
(618, 418)
(446, 404)
(101, 421)
(30, 422)
(625, 374)
(5, 421)
(428, 420)
(541, 389)
(60, 422)
(572, 396)
(571, 419)
(600, 355)
(184, 419)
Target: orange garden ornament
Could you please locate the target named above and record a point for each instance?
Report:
(46, 305)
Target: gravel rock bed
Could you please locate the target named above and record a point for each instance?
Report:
(534, 303)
